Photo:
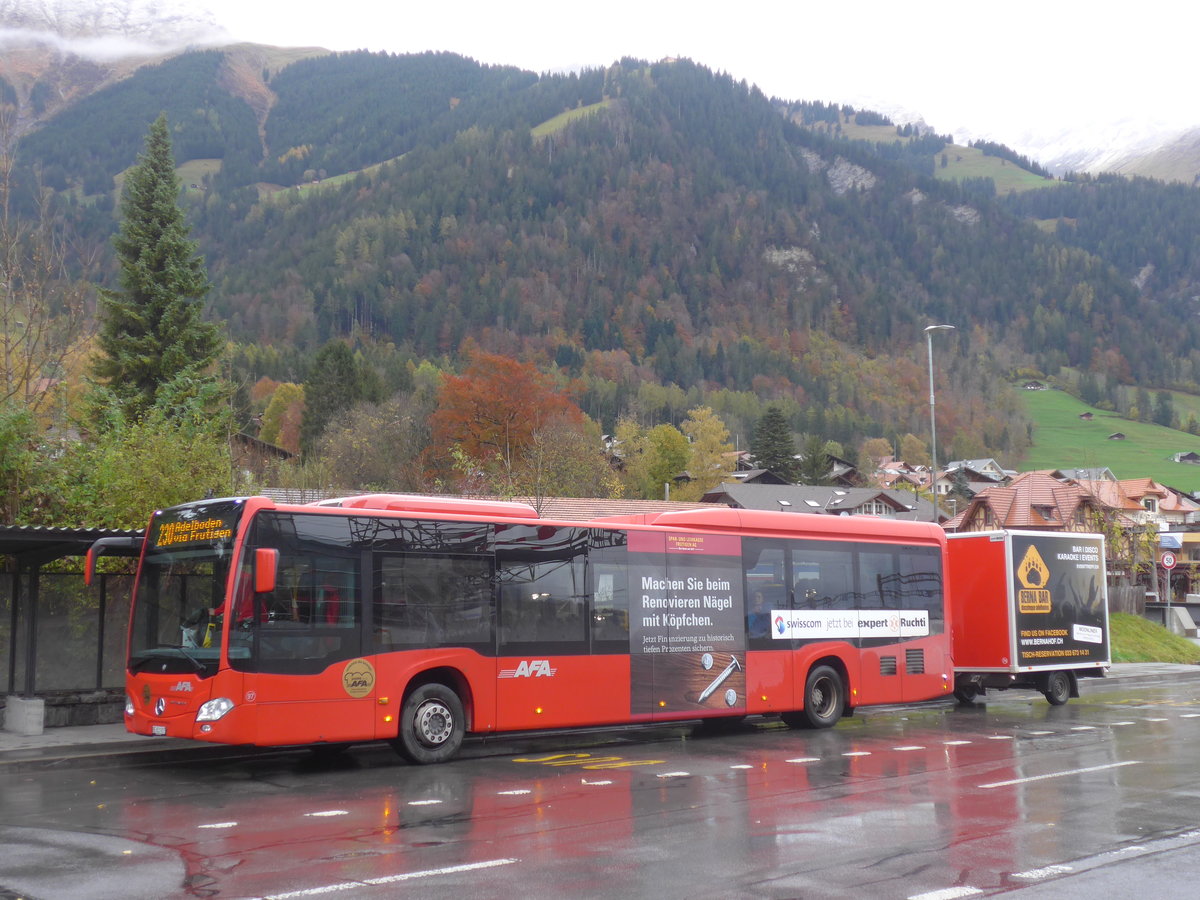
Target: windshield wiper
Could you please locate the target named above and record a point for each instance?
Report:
(199, 666)
(166, 651)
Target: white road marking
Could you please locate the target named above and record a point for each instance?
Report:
(907, 749)
(1043, 872)
(219, 825)
(424, 802)
(804, 759)
(858, 753)
(946, 894)
(955, 743)
(390, 879)
(518, 793)
(994, 784)
(328, 812)
(673, 774)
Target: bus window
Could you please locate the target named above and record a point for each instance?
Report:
(920, 576)
(823, 576)
(877, 572)
(429, 601)
(609, 584)
(314, 616)
(542, 589)
(766, 587)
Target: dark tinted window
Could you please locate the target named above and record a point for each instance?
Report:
(313, 618)
(429, 601)
(543, 590)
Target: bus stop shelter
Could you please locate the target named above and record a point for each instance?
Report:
(58, 637)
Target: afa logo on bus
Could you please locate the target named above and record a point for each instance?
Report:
(530, 668)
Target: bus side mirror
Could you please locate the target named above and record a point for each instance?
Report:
(89, 565)
(112, 546)
(266, 567)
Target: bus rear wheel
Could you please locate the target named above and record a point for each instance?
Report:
(432, 725)
(824, 698)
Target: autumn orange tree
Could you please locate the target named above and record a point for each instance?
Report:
(488, 420)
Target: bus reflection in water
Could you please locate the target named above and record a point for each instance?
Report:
(419, 620)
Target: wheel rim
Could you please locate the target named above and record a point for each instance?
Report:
(1059, 686)
(434, 723)
(823, 696)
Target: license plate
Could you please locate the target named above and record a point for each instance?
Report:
(158, 729)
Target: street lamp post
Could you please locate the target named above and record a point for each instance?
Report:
(929, 330)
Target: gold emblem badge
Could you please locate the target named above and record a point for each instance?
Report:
(358, 678)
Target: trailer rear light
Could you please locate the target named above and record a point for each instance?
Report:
(214, 709)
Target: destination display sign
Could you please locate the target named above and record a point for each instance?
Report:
(195, 526)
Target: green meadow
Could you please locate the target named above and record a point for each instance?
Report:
(1062, 440)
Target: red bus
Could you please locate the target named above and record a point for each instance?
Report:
(421, 619)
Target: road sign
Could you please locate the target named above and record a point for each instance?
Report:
(1167, 560)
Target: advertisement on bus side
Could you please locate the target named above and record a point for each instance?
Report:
(687, 631)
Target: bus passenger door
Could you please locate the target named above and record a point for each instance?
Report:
(313, 682)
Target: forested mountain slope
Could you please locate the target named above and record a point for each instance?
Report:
(682, 229)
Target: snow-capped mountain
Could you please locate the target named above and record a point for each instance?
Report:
(103, 31)
(112, 35)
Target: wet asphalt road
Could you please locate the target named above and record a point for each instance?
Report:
(1101, 796)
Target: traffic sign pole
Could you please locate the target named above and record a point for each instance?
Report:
(1167, 561)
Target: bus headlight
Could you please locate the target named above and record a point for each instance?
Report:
(128, 705)
(214, 709)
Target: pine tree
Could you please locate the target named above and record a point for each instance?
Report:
(772, 445)
(151, 333)
(815, 465)
(336, 382)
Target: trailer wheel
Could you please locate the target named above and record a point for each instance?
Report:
(824, 697)
(432, 725)
(1058, 688)
(965, 694)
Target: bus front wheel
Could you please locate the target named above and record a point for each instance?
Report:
(432, 725)
(824, 697)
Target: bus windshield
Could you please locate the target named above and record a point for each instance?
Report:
(176, 624)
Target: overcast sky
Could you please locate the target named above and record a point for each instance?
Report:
(1020, 71)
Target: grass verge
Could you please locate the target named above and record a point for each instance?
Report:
(1135, 639)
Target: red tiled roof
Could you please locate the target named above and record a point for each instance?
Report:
(1033, 500)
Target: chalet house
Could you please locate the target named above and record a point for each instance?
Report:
(1191, 457)
(1036, 501)
(892, 473)
(1144, 501)
(1086, 416)
(979, 470)
(828, 501)
(252, 456)
(757, 476)
(1103, 473)
(1117, 436)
